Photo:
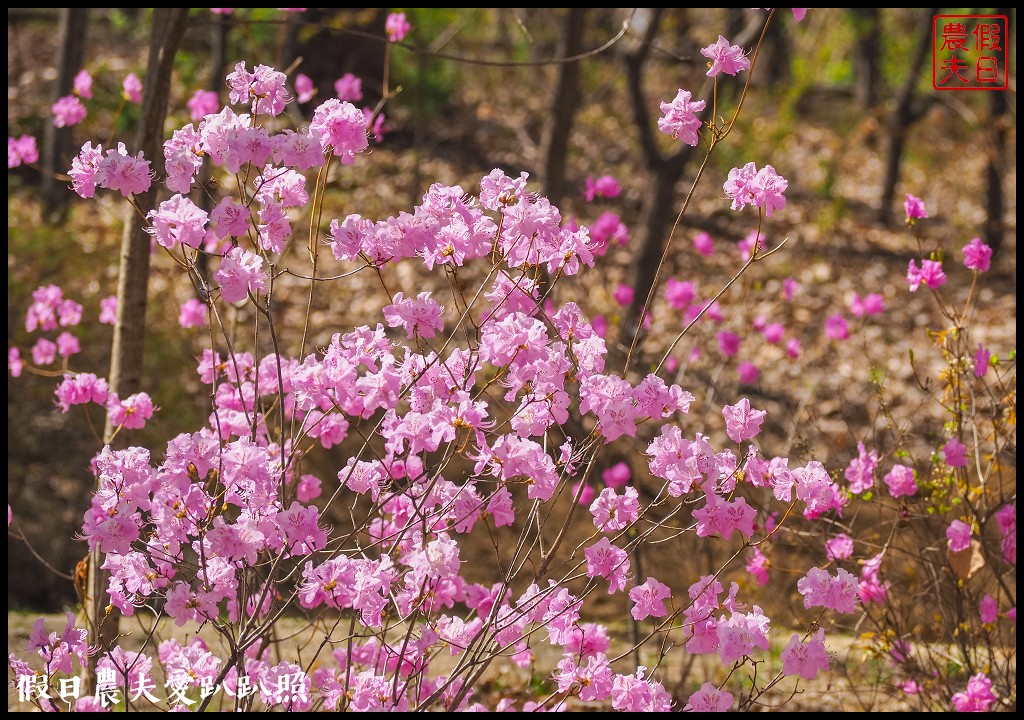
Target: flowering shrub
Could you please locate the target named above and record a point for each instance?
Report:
(465, 418)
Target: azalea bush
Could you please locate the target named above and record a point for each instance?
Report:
(474, 417)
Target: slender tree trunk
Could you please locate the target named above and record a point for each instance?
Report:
(903, 117)
(867, 55)
(126, 359)
(564, 104)
(58, 142)
(994, 167)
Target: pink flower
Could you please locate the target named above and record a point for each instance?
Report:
(108, 310)
(839, 547)
(67, 345)
(1006, 517)
(132, 88)
(193, 314)
(977, 255)
(623, 295)
(836, 327)
(418, 316)
(741, 421)
(264, 84)
(67, 111)
(648, 599)
(84, 170)
(722, 517)
(608, 227)
(132, 412)
(349, 88)
(978, 697)
(304, 88)
(982, 357)
(799, 13)
(901, 481)
(44, 352)
(617, 476)
(793, 348)
(342, 127)
(177, 220)
(774, 332)
(728, 343)
(725, 58)
(959, 535)
(805, 659)
(790, 287)
(240, 272)
(988, 609)
(680, 118)
(820, 589)
(747, 373)
(709, 699)
(203, 103)
(21, 150)
(397, 27)
(603, 187)
(955, 453)
(915, 208)
(128, 174)
(930, 273)
(587, 496)
(14, 362)
(614, 512)
(608, 561)
(80, 389)
(861, 470)
(679, 294)
(82, 84)
(757, 565)
(762, 188)
(704, 244)
(870, 305)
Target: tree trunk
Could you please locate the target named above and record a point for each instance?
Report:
(58, 142)
(126, 359)
(903, 117)
(994, 167)
(867, 55)
(564, 103)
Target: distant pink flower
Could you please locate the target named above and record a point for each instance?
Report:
(839, 547)
(709, 699)
(978, 697)
(836, 327)
(799, 13)
(704, 244)
(930, 273)
(774, 332)
(222, 11)
(82, 84)
(725, 58)
(988, 609)
(728, 343)
(67, 111)
(603, 187)
(68, 345)
(741, 421)
(617, 476)
(955, 453)
(608, 227)
(193, 314)
(679, 294)
(397, 27)
(108, 310)
(747, 372)
(132, 412)
(753, 241)
(805, 659)
(915, 208)
(587, 496)
(81, 389)
(1006, 517)
(871, 304)
(977, 255)
(44, 352)
(901, 481)
(982, 357)
(203, 103)
(757, 565)
(790, 287)
(600, 325)
(910, 687)
(623, 295)
(648, 599)
(21, 150)
(14, 362)
(349, 88)
(820, 589)
(793, 348)
(959, 535)
(264, 85)
(132, 88)
(304, 88)
(861, 471)
(680, 118)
